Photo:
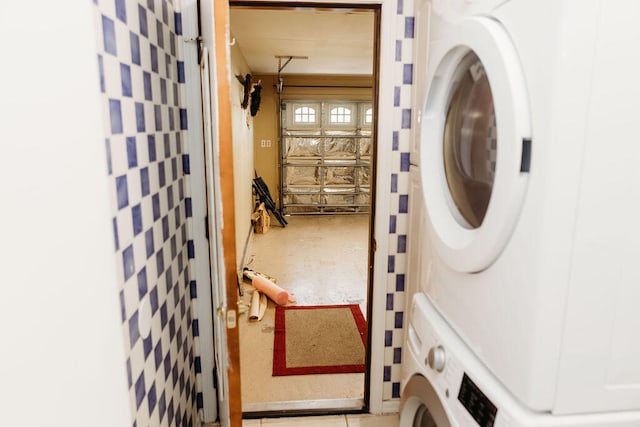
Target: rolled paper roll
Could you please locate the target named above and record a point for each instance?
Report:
(254, 311)
(273, 291)
(250, 274)
(263, 306)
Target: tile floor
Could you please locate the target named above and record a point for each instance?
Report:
(356, 420)
(320, 260)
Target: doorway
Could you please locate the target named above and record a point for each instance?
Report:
(344, 225)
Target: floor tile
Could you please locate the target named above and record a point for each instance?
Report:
(368, 420)
(329, 421)
(251, 423)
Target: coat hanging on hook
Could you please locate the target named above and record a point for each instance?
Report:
(247, 90)
(255, 98)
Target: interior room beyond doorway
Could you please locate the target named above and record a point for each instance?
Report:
(320, 60)
(307, 258)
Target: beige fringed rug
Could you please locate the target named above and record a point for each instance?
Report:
(319, 340)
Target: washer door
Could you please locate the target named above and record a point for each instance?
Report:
(475, 143)
(421, 406)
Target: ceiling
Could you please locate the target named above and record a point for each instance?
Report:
(336, 41)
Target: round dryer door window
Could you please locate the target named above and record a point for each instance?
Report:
(470, 142)
(475, 143)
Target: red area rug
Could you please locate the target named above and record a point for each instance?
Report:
(325, 339)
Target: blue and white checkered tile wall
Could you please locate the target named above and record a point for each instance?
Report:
(141, 79)
(397, 261)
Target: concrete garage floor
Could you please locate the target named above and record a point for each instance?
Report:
(321, 260)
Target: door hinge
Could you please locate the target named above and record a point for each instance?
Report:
(206, 227)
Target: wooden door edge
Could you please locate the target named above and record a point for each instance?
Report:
(221, 25)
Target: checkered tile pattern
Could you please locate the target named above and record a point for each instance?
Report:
(396, 265)
(141, 78)
(492, 148)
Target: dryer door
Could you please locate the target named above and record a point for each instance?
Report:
(475, 143)
(421, 406)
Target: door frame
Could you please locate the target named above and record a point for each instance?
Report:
(380, 186)
(373, 375)
(215, 35)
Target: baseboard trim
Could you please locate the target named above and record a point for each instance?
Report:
(303, 406)
(391, 406)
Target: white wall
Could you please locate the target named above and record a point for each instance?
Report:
(243, 170)
(62, 358)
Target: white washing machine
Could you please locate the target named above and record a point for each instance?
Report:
(527, 148)
(445, 385)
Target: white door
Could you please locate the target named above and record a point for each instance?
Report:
(198, 99)
(214, 210)
(475, 141)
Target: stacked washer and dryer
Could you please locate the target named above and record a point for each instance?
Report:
(524, 241)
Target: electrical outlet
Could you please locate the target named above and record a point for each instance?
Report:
(265, 143)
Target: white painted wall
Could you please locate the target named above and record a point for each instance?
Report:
(61, 361)
(243, 171)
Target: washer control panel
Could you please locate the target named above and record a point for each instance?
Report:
(474, 400)
(437, 358)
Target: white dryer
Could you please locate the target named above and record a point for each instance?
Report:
(527, 141)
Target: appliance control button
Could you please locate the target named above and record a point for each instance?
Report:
(436, 358)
